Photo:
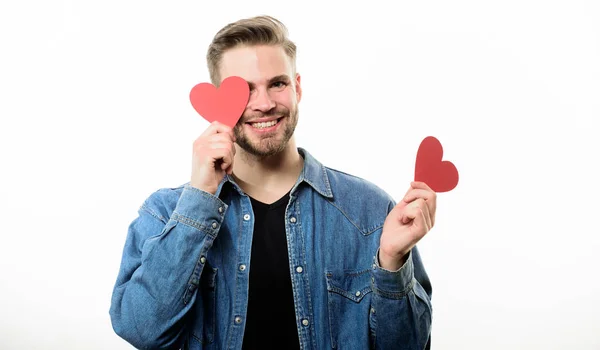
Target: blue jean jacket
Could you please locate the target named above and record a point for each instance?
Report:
(183, 278)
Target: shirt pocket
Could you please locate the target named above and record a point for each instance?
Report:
(204, 314)
(349, 305)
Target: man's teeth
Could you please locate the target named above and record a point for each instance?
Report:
(264, 125)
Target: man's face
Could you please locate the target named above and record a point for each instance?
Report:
(271, 115)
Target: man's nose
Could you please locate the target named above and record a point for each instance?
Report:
(261, 100)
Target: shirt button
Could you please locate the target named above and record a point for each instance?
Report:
(292, 219)
(299, 269)
(357, 294)
(247, 217)
(220, 209)
(238, 320)
(305, 322)
(242, 267)
(372, 310)
(214, 225)
(203, 260)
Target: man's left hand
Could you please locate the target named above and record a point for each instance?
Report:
(406, 224)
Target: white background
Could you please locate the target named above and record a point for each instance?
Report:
(95, 116)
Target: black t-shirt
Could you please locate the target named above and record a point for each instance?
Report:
(271, 319)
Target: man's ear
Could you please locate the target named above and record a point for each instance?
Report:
(298, 88)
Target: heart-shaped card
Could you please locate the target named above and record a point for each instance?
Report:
(440, 175)
(225, 104)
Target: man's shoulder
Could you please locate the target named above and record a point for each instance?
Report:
(345, 183)
(360, 200)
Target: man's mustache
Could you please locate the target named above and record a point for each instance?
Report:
(272, 113)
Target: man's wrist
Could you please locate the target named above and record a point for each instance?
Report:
(390, 263)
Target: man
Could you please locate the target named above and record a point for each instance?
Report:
(266, 248)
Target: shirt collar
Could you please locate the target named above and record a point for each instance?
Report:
(313, 173)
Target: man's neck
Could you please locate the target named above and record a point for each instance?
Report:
(267, 179)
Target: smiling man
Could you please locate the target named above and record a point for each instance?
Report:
(265, 247)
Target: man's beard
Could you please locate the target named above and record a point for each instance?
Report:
(268, 146)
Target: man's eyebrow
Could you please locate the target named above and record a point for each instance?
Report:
(281, 77)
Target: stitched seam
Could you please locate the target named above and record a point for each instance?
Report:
(349, 295)
(197, 339)
(153, 213)
(303, 177)
(206, 195)
(365, 233)
(192, 223)
(369, 230)
(332, 287)
(395, 295)
(317, 188)
(291, 255)
(352, 272)
(191, 286)
(323, 168)
(187, 295)
(231, 330)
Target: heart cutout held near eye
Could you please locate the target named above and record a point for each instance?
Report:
(225, 104)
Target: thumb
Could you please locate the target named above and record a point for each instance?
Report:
(405, 220)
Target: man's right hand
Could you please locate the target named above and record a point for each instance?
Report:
(212, 157)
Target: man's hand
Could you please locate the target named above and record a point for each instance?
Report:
(406, 224)
(212, 157)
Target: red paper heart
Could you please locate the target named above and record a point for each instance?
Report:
(441, 176)
(225, 104)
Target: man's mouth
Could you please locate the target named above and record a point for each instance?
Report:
(265, 125)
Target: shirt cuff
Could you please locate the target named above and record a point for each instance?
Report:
(393, 284)
(200, 209)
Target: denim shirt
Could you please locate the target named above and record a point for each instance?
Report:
(183, 278)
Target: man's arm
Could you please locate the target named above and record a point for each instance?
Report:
(402, 291)
(162, 262)
(401, 305)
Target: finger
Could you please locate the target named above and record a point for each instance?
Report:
(224, 155)
(405, 220)
(413, 194)
(402, 203)
(429, 196)
(421, 185)
(421, 204)
(219, 145)
(418, 203)
(416, 215)
(221, 137)
(221, 150)
(417, 185)
(216, 127)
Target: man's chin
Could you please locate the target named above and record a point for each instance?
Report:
(263, 150)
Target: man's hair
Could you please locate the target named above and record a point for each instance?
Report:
(259, 30)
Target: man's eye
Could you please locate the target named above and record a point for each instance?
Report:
(279, 84)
